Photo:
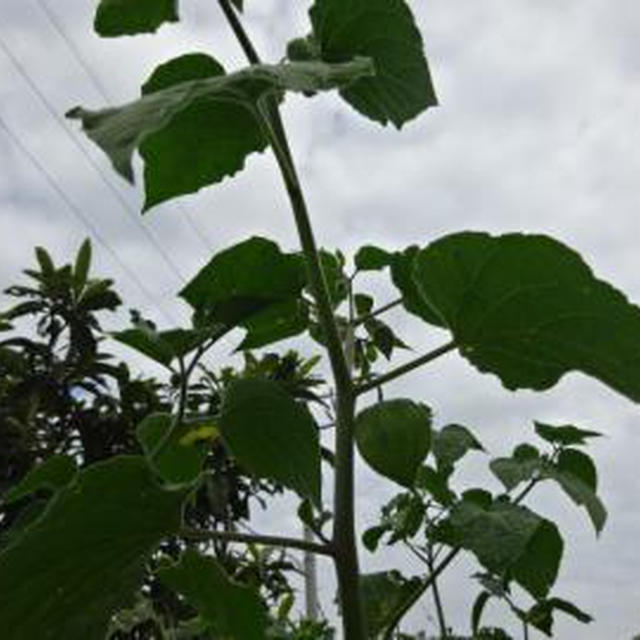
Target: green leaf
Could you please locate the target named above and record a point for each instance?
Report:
(477, 610)
(385, 31)
(272, 435)
(181, 458)
(334, 276)
(363, 303)
(576, 474)
(451, 443)
(371, 537)
(244, 280)
(506, 537)
(46, 263)
(84, 558)
(541, 614)
(81, 267)
(384, 594)
(370, 258)
(394, 438)
(129, 17)
(383, 337)
(277, 322)
(233, 610)
(167, 124)
(402, 267)
(52, 474)
(514, 470)
(566, 435)
(436, 483)
(528, 309)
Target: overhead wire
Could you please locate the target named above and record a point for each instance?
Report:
(63, 126)
(100, 89)
(80, 215)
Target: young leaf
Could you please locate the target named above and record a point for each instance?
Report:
(84, 558)
(384, 594)
(232, 610)
(54, 473)
(272, 435)
(370, 258)
(245, 280)
(541, 614)
(129, 17)
(385, 31)
(46, 263)
(181, 458)
(394, 438)
(528, 309)
(167, 124)
(451, 443)
(566, 435)
(81, 267)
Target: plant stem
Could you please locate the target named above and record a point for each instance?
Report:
(249, 538)
(406, 368)
(344, 539)
(442, 623)
(377, 312)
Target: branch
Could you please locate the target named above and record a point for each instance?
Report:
(240, 33)
(377, 312)
(406, 368)
(247, 538)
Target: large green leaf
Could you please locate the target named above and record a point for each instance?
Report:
(276, 322)
(208, 123)
(232, 610)
(505, 537)
(272, 435)
(52, 474)
(394, 438)
(84, 558)
(244, 280)
(128, 17)
(528, 309)
(385, 31)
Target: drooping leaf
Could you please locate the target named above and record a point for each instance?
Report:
(384, 594)
(383, 337)
(129, 17)
(52, 474)
(528, 309)
(385, 31)
(566, 435)
(451, 443)
(84, 558)
(371, 258)
(181, 458)
(507, 537)
(244, 280)
(234, 611)
(394, 438)
(541, 614)
(272, 435)
(478, 608)
(575, 472)
(167, 124)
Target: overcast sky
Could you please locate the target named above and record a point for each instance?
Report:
(537, 131)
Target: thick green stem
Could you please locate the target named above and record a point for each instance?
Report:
(344, 539)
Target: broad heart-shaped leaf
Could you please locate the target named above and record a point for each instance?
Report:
(528, 309)
(451, 443)
(181, 458)
(523, 464)
(383, 595)
(84, 558)
(505, 537)
(394, 438)
(232, 610)
(168, 124)
(128, 17)
(272, 436)
(52, 474)
(565, 435)
(245, 280)
(385, 31)
(278, 321)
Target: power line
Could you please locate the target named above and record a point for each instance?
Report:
(60, 122)
(78, 213)
(104, 94)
